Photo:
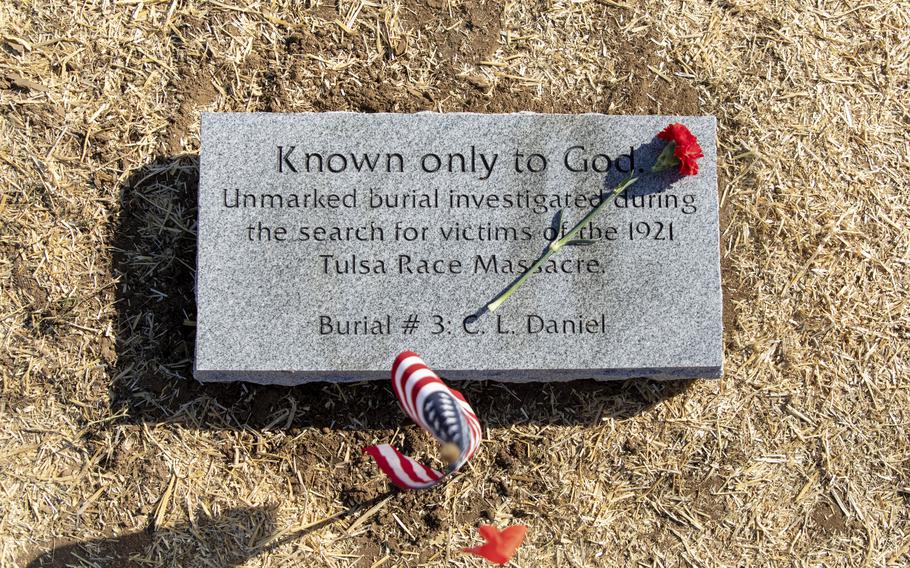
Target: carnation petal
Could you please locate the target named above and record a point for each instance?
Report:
(687, 149)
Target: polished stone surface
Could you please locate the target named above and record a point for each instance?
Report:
(288, 260)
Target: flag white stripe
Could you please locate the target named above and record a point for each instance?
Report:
(392, 459)
(404, 390)
(409, 388)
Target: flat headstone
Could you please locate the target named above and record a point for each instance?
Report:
(330, 242)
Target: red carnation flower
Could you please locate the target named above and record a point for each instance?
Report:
(685, 149)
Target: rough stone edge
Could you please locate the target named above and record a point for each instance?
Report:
(291, 378)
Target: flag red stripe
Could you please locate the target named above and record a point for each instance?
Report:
(412, 401)
(416, 391)
(408, 477)
(386, 467)
(408, 467)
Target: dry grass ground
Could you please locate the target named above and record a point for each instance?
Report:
(109, 456)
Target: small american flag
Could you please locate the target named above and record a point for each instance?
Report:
(438, 409)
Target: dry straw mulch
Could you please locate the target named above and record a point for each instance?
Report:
(109, 456)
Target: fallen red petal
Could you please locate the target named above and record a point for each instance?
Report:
(501, 545)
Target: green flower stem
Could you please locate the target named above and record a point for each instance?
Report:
(557, 244)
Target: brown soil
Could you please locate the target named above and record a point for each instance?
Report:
(105, 435)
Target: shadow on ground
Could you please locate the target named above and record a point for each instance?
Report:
(228, 539)
(154, 245)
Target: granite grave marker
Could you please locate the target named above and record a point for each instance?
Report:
(329, 242)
